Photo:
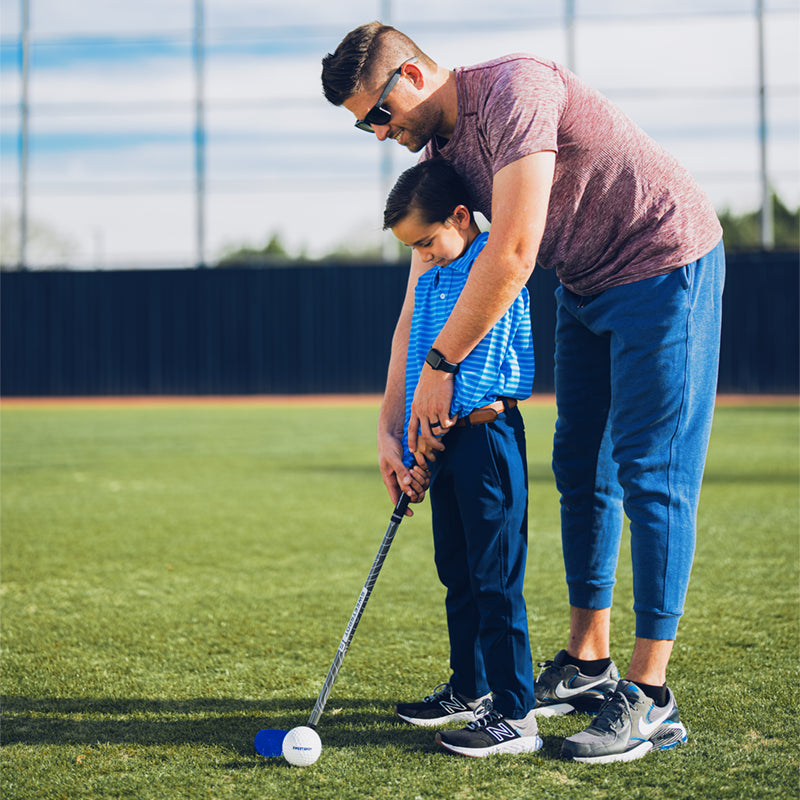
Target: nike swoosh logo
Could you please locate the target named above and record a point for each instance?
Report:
(564, 692)
(647, 728)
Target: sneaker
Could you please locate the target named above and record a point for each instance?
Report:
(442, 706)
(627, 727)
(492, 733)
(562, 688)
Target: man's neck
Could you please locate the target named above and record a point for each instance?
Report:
(448, 94)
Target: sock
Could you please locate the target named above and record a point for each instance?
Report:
(590, 668)
(658, 694)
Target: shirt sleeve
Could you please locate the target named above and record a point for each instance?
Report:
(521, 111)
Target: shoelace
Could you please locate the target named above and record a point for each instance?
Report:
(543, 667)
(484, 715)
(609, 717)
(443, 689)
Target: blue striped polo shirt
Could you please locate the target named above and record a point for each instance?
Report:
(501, 365)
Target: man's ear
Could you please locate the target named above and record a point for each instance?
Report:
(414, 74)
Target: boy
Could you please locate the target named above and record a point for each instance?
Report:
(478, 483)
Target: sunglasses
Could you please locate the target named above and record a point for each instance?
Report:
(378, 115)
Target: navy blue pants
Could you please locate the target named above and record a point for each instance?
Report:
(479, 504)
(636, 377)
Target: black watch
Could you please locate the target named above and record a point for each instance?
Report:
(437, 361)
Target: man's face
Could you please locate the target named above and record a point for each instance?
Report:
(413, 122)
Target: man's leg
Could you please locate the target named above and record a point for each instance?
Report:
(649, 661)
(664, 353)
(589, 630)
(585, 473)
(588, 641)
(664, 356)
(591, 512)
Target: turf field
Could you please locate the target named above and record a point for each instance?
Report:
(177, 576)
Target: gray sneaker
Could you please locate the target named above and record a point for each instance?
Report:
(628, 727)
(562, 688)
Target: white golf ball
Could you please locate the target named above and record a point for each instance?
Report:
(302, 746)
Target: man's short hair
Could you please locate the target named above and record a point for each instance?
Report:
(361, 57)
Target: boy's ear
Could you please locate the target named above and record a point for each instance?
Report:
(462, 217)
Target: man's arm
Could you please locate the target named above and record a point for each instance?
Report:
(391, 419)
(520, 195)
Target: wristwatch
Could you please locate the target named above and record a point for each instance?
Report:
(437, 361)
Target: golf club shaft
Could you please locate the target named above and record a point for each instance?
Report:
(397, 518)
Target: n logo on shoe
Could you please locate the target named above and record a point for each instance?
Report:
(500, 732)
(452, 705)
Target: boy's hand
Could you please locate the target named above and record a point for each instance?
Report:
(425, 453)
(396, 476)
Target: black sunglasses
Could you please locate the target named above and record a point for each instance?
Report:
(378, 115)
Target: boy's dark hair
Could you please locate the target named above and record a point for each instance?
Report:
(433, 188)
(362, 56)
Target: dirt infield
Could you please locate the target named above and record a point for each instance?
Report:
(310, 400)
(200, 400)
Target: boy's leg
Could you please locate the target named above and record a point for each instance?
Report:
(450, 554)
(490, 482)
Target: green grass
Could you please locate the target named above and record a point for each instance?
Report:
(175, 578)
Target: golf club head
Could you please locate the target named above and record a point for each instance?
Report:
(269, 742)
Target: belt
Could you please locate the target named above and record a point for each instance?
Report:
(489, 413)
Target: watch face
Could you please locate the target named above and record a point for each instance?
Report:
(438, 361)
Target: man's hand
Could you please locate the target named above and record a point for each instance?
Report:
(398, 478)
(430, 412)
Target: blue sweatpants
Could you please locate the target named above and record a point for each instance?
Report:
(479, 504)
(636, 375)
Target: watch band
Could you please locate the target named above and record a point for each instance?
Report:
(437, 361)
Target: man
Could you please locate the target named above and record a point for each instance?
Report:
(567, 180)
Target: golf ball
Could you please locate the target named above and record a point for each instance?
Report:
(302, 746)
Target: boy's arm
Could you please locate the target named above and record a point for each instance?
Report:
(391, 419)
(520, 195)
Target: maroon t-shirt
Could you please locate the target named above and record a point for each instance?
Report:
(621, 208)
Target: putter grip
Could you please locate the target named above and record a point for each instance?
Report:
(400, 508)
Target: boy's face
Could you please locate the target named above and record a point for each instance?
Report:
(436, 243)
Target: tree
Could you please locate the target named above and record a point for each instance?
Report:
(743, 232)
(274, 252)
(47, 247)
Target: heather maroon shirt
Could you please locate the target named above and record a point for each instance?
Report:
(621, 208)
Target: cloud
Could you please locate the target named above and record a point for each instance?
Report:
(112, 115)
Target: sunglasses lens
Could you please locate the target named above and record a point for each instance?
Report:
(378, 116)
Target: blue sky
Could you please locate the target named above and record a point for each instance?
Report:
(111, 122)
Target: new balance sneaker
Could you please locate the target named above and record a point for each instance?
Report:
(562, 688)
(442, 706)
(491, 733)
(628, 727)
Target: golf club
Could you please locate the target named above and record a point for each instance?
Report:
(269, 741)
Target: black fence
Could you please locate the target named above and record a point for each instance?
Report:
(302, 330)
